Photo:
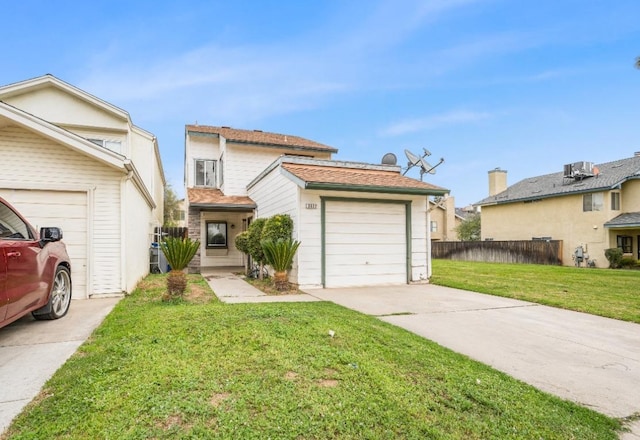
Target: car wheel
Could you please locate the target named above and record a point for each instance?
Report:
(60, 298)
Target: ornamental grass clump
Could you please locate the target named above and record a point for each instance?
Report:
(178, 252)
(279, 255)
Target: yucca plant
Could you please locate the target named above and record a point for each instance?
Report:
(279, 255)
(178, 252)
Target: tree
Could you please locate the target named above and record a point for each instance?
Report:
(279, 255)
(469, 229)
(171, 206)
(637, 63)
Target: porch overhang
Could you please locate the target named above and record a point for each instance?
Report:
(211, 199)
(628, 220)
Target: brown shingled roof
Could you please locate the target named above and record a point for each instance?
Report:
(261, 138)
(356, 177)
(209, 196)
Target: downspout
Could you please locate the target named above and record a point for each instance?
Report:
(429, 272)
(123, 230)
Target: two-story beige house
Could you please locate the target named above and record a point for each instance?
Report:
(595, 207)
(359, 224)
(72, 160)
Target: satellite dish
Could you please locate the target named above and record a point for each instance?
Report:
(426, 167)
(413, 159)
(389, 159)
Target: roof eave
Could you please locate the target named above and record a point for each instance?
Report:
(375, 189)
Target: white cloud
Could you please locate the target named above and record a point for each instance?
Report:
(457, 117)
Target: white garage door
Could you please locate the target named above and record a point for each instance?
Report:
(64, 209)
(365, 243)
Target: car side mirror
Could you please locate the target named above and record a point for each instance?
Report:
(50, 234)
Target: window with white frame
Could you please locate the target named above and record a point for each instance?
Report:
(115, 146)
(205, 173)
(592, 202)
(216, 235)
(221, 170)
(434, 226)
(615, 201)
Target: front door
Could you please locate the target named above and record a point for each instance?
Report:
(638, 246)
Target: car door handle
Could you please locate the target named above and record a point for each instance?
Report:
(15, 254)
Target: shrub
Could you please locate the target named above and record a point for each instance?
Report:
(628, 262)
(178, 252)
(278, 227)
(253, 238)
(614, 256)
(242, 242)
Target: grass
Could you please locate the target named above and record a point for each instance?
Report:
(200, 369)
(603, 292)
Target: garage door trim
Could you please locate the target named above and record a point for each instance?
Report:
(323, 218)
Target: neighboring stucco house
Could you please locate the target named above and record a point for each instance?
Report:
(444, 218)
(593, 206)
(359, 224)
(72, 160)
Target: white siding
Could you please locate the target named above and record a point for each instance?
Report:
(137, 236)
(32, 162)
(276, 194)
(243, 164)
(199, 147)
(61, 108)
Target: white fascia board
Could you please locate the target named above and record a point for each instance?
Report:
(139, 183)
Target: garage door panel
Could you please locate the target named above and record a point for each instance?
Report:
(66, 210)
(365, 243)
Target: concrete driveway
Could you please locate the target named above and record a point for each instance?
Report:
(590, 360)
(31, 351)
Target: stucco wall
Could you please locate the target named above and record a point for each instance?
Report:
(560, 218)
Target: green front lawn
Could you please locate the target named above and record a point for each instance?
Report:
(201, 369)
(605, 292)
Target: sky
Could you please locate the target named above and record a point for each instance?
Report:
(525, 86)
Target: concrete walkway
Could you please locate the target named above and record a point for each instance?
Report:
(584, 358)
(232, 289)
(31, 351)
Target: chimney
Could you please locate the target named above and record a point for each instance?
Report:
(497, 181)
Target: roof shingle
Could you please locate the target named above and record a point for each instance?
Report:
(259, 137)
(322, 174)
(553, 185)
(215, 198)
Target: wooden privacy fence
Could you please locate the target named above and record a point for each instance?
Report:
(161, 232)
(520, 251)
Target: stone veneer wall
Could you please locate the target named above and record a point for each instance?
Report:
(193, 223)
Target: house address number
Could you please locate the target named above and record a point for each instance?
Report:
(311, 205)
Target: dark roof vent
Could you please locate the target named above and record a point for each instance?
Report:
(258, 131)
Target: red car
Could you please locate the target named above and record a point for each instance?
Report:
(35, 272)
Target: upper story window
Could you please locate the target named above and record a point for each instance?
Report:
(434, 226)
(592, 202)
(115, 146)
(615, 201)
(205, 173)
